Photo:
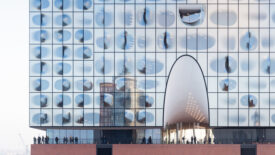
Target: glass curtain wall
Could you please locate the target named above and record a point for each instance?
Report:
(106, 62)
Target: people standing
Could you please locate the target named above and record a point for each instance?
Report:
(192, 140)
(195, 140)
(39, 140)
(47, 139)
(209, 140)
(43, 140)
(56, 140)
(64, 140)
(71, 140)
(149, 140)
(143, 140)
(34, 140)
(183, 140)
(76, 140)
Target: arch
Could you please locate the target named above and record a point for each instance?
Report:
(186, 96)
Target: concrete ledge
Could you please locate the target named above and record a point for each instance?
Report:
(63, 149)
(175, 149)
(265, 149)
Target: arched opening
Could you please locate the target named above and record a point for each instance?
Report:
(186, 112)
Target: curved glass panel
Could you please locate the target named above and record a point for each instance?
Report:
(82, 100)
(63, 84)
(41, 36)
(191, 14)
(62, 4)
(63, 20)
(40, 85)
(84, 52)
(84, 4)
(40, 20)
(63, 52)
(40, 4)
(145, 16)
(62, 35)
(83, 35)
(62, 100)
(249, 101)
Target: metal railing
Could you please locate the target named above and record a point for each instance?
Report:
(99, 141)
(157, 141)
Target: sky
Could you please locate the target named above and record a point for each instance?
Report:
(14, 82)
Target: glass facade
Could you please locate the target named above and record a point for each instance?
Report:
(106, 62)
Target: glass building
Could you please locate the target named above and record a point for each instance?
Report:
(97, 64)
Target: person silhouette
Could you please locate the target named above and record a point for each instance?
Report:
(56, 140)
(183, 140)
(43, 140)
(47, 140)
(143, 140)
(34, 140)
(149, 140)
(39, 140)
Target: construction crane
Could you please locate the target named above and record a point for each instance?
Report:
(27, 152)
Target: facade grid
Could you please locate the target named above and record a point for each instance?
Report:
(106, 62)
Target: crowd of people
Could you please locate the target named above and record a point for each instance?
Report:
(41, 140)
(193, 140)
(46, 140)
(74, 140)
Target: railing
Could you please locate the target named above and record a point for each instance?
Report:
(159, 141)
(99, 141)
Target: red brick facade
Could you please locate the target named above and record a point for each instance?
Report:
(179, 149)
(63, 149)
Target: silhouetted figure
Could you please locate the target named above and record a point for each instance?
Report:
(76, 140)
(209, 140)
(195, 140)
(149, 140)
(34, 140)
(47, 140)
(43, 140)
(71, 140)
(173, 142)
(143, 140)
(56, 140)
(192, 140)
(64, 140)
(204, 140)
(183, 140)
(187, 142)
(39, 140)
